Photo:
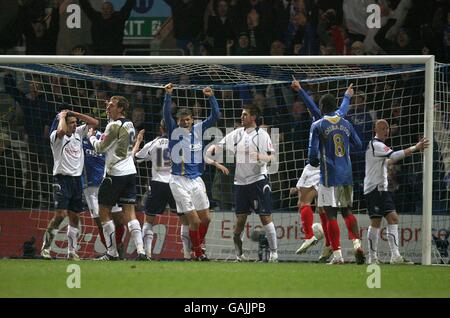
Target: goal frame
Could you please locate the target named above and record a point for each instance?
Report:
(427, 60)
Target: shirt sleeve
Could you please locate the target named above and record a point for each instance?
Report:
(345, 106)
(266, 144)
(53, 137)
(82, 130)
(313, 148)
(145, 153)
(215, 114)
(379, 149)
(107, 139)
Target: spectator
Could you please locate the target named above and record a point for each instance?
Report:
(107, 26)
(357, 48)
(257, 33)
(220, 28)
(187, 18)
(242, 47)
(37, 113)
(9, 27)
(40, 31)
(440, 239)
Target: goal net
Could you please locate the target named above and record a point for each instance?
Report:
(32, 93)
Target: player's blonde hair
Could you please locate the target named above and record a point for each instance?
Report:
(122, 102)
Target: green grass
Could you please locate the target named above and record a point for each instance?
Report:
(39, 278)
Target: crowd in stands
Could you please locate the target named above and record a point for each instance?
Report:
(246, 27)
(239, 27)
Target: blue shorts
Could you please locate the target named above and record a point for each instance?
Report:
(117, 189)
(67, 193)
(158, 198)
(255, 197)
(380, 203)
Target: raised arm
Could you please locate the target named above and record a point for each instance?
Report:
(354, 138)
(345, 105)
(137, 144)
(306, 99)
(313, 148)
(126, 9)
(92, 122)
(170, 122)
(61, 130)
(90, 12)
(215, 112)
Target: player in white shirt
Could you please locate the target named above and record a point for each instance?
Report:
(253, 150)
(159, 194)
(67, 149)
(119, 183)
(380, 201)
(94, 169)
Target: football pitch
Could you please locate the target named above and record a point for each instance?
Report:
(41, 278)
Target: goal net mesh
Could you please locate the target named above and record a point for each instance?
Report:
(32, 94)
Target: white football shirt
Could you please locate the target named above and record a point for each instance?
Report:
(117, 142)
(242, 142)
(377, 155)
(68, 155)
(157, 151)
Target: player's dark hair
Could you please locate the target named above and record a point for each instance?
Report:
(183, 112)
(327, 103)
(253, 110)
(68, 115)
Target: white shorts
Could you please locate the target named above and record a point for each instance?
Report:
(189, 194)
(310, 177)
(336, 197)
(91, 196)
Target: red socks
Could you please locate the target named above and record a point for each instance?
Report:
(351, 223)
(307, 217)
(324, 221)
(203, 229)
(334, 234)
(196, 242)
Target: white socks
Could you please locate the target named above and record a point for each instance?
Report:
(136, 234)
(392, 234)
(373, 234)
(109, 231)
(147, 237)
(185, 239)
(271, 236)
(72, 235)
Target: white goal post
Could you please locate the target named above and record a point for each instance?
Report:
(427, 60)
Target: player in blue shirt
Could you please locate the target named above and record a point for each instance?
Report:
(332, 135)
(308, 183)
(186, 152)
